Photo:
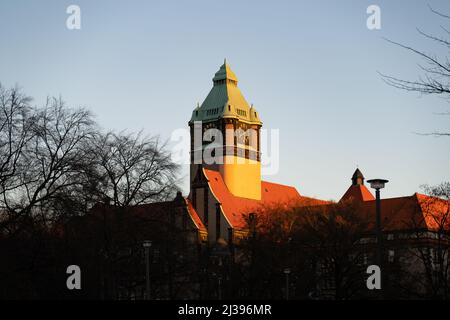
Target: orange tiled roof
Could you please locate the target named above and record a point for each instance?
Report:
(358, 193)
(435, 211)
(271, 193)
(411, 212)
(194, 216)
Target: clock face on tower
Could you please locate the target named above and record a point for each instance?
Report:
(243, 134)
(242, 137)
(209, 125)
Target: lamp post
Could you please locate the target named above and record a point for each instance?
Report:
(379, 184)
(220, 255)
(219, 279)
(252, 229)
(287, 271)
(147, 245)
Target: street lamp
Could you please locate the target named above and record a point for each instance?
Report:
(287, 271)
(147, 245)
(220, 254)
(219, 278)
(378, 184)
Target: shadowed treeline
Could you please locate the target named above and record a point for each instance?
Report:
(73, 194)
(55, 165)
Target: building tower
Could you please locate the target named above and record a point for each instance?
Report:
(225, 137)
(357, 178)
(358, 191)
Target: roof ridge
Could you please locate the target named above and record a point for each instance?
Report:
(358, 191)
(278, 184)
(400, 197)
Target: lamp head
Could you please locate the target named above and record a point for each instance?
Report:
(377, 183)
(147, 243)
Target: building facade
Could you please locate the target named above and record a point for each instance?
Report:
(225, 170)
(226, 189)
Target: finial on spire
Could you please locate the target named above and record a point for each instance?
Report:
(225, 75)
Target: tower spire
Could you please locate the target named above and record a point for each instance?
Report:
(226, 109)
(357, 178)
(358, 191)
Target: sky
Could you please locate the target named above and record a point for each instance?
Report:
(309, 67)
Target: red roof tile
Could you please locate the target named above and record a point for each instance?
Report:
(271, 193)
(412, 212)
(436, 211)
(194, 216)
(358, 193)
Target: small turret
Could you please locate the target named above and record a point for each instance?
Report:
(358, 191)
(358, 178)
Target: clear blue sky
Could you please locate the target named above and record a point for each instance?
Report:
(310, 68)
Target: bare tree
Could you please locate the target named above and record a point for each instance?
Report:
(436, 69)
(428, 266)
(429, 257)
(320, 245)
(133, 169)
(266, 252)
(52, 159)
(333, 236)
(55, 165)
(14, 133)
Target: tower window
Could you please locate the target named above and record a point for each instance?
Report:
(241, 112)
(212, 111)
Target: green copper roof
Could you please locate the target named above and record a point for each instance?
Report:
(225, 72)
(225, 100)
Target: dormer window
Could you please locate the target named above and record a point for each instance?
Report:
(241, 112)
(219, 82)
